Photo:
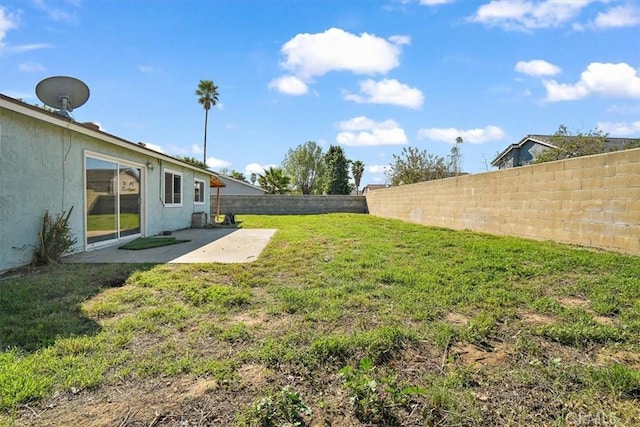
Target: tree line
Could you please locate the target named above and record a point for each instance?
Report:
(307, 169)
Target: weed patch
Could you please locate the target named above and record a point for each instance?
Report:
(282, 408)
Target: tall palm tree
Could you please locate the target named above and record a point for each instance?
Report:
(357, 169)
(208, 97)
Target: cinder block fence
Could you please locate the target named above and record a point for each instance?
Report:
(591, 201)
(283, 204)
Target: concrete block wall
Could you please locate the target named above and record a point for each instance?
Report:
(283, 204)
(591, 201)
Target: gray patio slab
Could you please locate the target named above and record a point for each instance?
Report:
(220, 245)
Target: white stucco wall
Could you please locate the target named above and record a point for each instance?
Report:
(42, 168)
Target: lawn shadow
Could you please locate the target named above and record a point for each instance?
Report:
(41, 304)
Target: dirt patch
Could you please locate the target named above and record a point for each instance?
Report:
(534, 318)
(604, 320)
(251, 319)
(200, 387)
(456, 319)
(128, 403)
(574, 302)
(253, 375)
(259, 320)
(470, 354)
(608, 357)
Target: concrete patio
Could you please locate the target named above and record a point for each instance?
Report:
(219, 245)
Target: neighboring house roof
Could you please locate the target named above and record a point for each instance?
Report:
(370, 187)
(611, 144)
(540, 139)
(233, 183)
(89, 129)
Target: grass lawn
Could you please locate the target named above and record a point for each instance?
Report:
(344, 320)
(128, 221)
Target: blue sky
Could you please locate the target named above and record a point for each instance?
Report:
(372, 76)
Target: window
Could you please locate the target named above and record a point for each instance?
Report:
(198, 191)
(172, 188)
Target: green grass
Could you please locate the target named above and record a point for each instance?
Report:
(107, 221)
(329, 291)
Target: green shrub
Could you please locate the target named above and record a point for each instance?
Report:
(284, 408)
(375, 398)
(55, 238)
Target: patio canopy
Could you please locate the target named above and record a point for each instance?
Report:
(214, 182)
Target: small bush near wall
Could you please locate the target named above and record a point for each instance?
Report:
(55, 238)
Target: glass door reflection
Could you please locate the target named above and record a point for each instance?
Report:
(113, 200)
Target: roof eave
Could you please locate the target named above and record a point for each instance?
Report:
(519, 144)
(63, 122)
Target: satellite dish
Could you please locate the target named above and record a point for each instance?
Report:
(62, 92)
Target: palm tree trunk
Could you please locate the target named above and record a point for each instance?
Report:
(206, 118)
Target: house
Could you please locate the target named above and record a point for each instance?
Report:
(528, 148)
(371, 187)
(237, 187)
(118, 189)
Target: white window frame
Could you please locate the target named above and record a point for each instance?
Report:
(203, 195)
(174, 173)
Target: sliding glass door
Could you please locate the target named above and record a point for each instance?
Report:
(113, 200)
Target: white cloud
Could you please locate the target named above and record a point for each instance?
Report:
(257, 168)
(365, 123)
(620, 128)
(289, 85)
(620, 16)
(633, 109)
(377, 168)
(8, 21)
(214, 163)
(525, 15)
(387, 91)
(364, 132)
(537, 67)
(373, 138)
(400, 40)
(11, 21)
(25, 47)
(29, 67)
(473, 136)
(57, 13)
(607, 80)
(308, 55)
(577, 27)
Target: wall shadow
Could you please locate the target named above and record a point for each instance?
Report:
(41, 304)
